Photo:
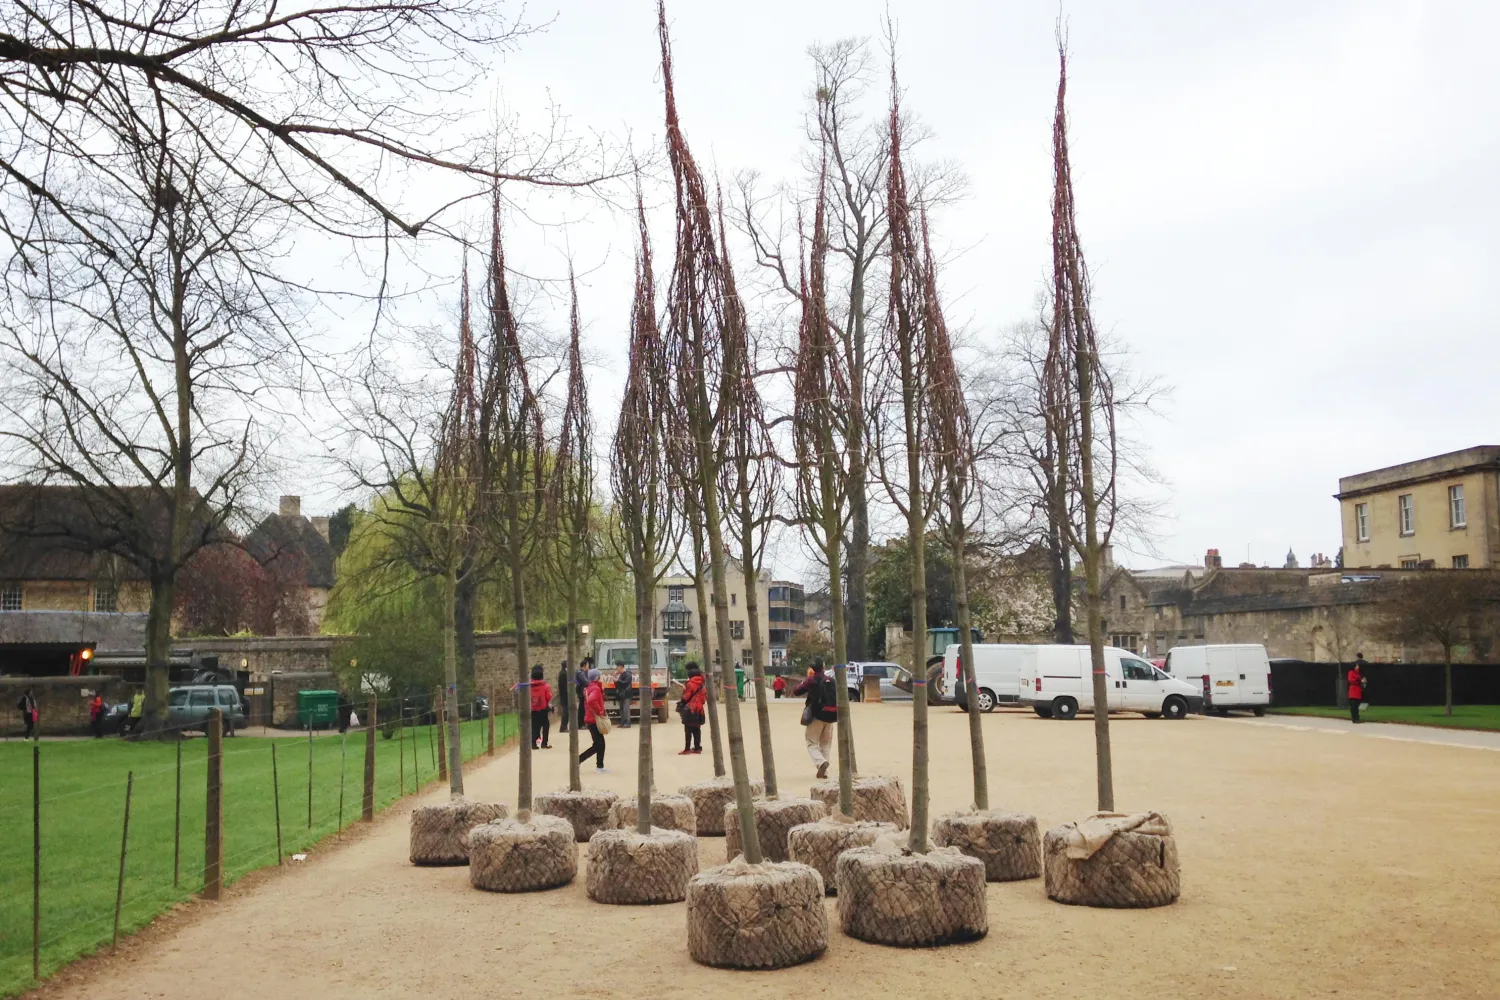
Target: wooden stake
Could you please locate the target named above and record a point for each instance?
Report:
(276, 796)
(177, 820)
(36, 859)
(213, 817)
(492, 720)
(401, 749)
(124, 843)
(367, 811)
(309, 774)
(343, 766)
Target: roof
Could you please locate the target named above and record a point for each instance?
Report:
(1421, 470)
(71, 533)
(103, 630)
(283, 535)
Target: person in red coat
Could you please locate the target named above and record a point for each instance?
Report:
(690, 707)
(593, 711)
(541, 709)
(779, 686)
(1356, 680)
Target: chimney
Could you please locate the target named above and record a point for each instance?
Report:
(1212, 560)
(291, 506)
(321, 524)
(1107, 557)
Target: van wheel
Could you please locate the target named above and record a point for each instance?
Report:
(1174, 708)
(1045, 711)
(1065, 709)
(986, 701)
(228, 728)
(1222, 713)
(1259, 710)
(854, 694)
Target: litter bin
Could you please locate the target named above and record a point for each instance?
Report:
(739, 680)
(317, 709)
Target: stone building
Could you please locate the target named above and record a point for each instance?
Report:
(1435, 513)
(676, 618)
(303, 543)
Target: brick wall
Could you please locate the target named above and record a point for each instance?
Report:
(62, 702)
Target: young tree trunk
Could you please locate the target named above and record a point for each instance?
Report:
(575, 779)
(463, 623)
(958, 534)
(757, 652)
(840, 635)
(1448, 679)
(916, 533)
(450, 684)
(523, 646)
(859, 508)
(846, 766)
(158, 654)
(700, 589)
(644, 613)
(1092, 599)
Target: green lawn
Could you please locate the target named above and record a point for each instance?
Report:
(1463, 717)
(83, 799)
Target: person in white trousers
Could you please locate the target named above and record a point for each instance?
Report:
(820, 713)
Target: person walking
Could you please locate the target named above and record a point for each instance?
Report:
(137, 712)
(623, 695)
(1356, 678)
(563, 701)
(27, 707)
(96, 715)
(593, 712)
(345, 710)
(690, 708)
(779, 686)
(541, 709)
(580, 688)
(819, 715)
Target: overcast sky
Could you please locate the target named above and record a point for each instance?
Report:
(1290, 209)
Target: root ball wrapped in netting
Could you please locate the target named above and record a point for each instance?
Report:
(878, 798)
(587, 810)
(1009, 844)
(709, 800)
(774, 819)
(767, 916)
(1114, 861)
(522, 855)
(439, 833)
(630, 867)
(818, 845)
(669, 812)
(891, 896)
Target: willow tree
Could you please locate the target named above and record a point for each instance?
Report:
(572, 496)
(518, 449)
(695, 312)
(643, 494)
(1081, 392)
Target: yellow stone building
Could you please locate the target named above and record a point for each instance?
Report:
(1435, 513)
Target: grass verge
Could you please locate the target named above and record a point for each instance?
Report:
(1463, 717)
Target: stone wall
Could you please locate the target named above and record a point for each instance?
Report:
(62, 702)
(281, 695)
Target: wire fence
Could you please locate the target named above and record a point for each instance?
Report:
(63, 834)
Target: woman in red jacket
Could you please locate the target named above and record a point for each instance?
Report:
(694, 697)
(1356, 679)
(541, 709)
(593, 711)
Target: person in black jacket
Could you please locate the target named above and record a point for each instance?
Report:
(820, 713)
(563, 699)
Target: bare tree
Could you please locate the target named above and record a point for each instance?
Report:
(142, 365)
(696, 304)
(643, 490)
(1445, 608)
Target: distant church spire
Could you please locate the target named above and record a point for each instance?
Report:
(1291, 560)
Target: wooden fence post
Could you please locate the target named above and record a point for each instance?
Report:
(36, 859)
(124, 843)
(367, 812)
(492, 720)
(309, 773)
(177, 820)
(213, 817)
(276, 795)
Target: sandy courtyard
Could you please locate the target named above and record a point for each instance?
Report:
(1314, 864)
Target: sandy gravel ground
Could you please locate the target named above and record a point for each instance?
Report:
(1314, 864)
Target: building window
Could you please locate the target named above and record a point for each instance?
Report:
(674, 593)
(734, 599)
(1122, 602)
(676, 621)
(10, 597)
(1411, 563)
(1408, 520)
(777, 655)
(1362, 522)
(1457, 516)
(106, 597)
(1460, 562)
(737, 629)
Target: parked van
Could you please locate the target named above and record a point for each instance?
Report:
(997, 672)
(1237, 676)
(612, 654)
(1058, 683)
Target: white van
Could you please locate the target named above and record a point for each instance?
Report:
(997, 672)
(1237, 676)
(1059, 684)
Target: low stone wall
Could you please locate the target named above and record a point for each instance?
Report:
(62, 702)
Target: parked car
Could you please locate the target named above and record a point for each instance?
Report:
(188, 707)
(1232, 676)
(1057, 682)
(895, 680)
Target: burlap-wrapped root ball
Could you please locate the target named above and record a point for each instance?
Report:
(523, 854)
(891, 896)
(710, 798)
(1009, 844)
(670, 812)
(1115, 861)
(439, 833)
(630, 867)
(587, 810)
(767, 916)
(818, 845)
(878, 798)
(774, 819)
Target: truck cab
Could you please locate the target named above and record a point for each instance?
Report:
(612, 654)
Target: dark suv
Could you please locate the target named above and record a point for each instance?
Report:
(188, 707)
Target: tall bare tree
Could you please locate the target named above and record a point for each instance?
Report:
(1444, 608)
(696, 304)
(643, 489)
